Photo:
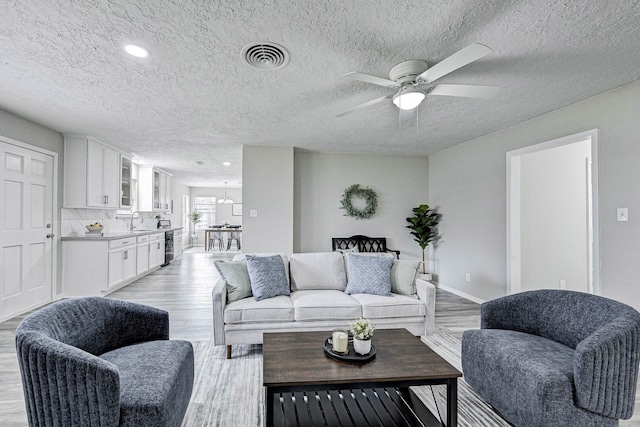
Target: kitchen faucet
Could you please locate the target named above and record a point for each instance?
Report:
(131, 223)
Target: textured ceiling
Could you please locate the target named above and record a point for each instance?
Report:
(62, 65)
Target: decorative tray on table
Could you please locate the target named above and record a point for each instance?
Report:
(351, 356)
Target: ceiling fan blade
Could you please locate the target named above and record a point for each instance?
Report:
(465, 56)
(366, 104)
(368, 78)
(467, 91)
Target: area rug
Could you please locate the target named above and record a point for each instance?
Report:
(230, 392)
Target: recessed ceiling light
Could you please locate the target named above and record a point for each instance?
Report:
(137, 51)
(226, 164)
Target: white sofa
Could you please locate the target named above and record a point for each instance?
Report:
(317, 302)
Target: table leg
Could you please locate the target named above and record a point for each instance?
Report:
(452, 402)
(206, 240)
(268, 404)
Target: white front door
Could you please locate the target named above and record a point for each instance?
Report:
(26, 229)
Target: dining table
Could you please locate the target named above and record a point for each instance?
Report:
(221, 229)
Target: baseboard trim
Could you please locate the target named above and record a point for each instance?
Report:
(459, 293)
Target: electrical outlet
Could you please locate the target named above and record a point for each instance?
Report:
(563, 284)
(253, 213)
(623, 214)
(467, 277)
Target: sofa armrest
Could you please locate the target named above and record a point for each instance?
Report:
(606, 369)
(427, 293)
(219, 296)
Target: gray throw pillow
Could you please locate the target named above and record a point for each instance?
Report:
(236, 277)
(369, 275)
(268, 276)
(403, 276)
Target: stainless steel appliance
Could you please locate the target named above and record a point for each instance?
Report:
(168, 247)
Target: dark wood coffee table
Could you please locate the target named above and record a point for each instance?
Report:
(304, 387)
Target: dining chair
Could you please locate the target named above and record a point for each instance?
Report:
(215, 236)
(234, 236)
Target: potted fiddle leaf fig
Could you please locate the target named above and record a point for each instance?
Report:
(424, 228)
(195, 218)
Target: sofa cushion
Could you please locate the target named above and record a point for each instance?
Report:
(268, 276)
(382, 307)
(369, 275)
(285, 260)
(495, 359)
(369, 254)
(403, 276)
(318, 270)
(276, 309)
(156, 380)
(324, 305)
(236, 277)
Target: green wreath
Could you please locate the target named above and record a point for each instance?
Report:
(367, 194)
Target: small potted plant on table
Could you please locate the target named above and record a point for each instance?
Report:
(362, 331)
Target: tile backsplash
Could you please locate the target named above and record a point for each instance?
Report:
(73, 221)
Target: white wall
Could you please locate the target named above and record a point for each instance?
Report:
(320, 180)
(177, 190)
(19, 129)
(554, 221)
(468, 182)
(267, 187)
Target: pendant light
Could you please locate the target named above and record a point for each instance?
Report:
(226, 199)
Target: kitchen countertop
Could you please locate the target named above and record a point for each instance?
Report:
(119, 234)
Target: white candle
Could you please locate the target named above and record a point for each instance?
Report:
(340, 341)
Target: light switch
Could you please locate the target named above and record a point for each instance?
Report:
(253, 213)
(623, 214)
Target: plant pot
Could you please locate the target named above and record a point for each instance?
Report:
(362, 346)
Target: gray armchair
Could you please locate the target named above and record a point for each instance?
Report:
(103, 362)
(555, 357)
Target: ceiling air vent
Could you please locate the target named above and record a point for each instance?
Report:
(265, 56)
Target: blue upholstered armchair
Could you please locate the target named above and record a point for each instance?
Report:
(103, 362)
(555, 358)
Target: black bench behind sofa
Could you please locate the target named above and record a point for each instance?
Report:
(363, 243)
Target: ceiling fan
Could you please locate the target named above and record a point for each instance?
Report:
(414, 80)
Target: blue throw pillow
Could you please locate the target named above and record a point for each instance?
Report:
(369, 275)
(268, 276)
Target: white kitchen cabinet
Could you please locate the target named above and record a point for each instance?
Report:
(122, 261)
(94, 266)
(142, 255)
(91, 174)
(126, 182)
(154, 189)
(156, 250)
(165, 193)
(177, 244)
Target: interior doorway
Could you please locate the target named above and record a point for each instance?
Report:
(27, 224)
(552, 193)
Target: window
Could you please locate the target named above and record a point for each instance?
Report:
(185, 213)
(207, 207)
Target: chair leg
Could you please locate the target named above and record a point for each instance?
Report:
(228, 352)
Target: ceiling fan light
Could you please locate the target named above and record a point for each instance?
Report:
(137, 51)
(408, 99)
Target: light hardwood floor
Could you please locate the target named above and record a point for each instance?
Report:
(184, 289)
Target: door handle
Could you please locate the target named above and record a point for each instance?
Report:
(50, 236)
